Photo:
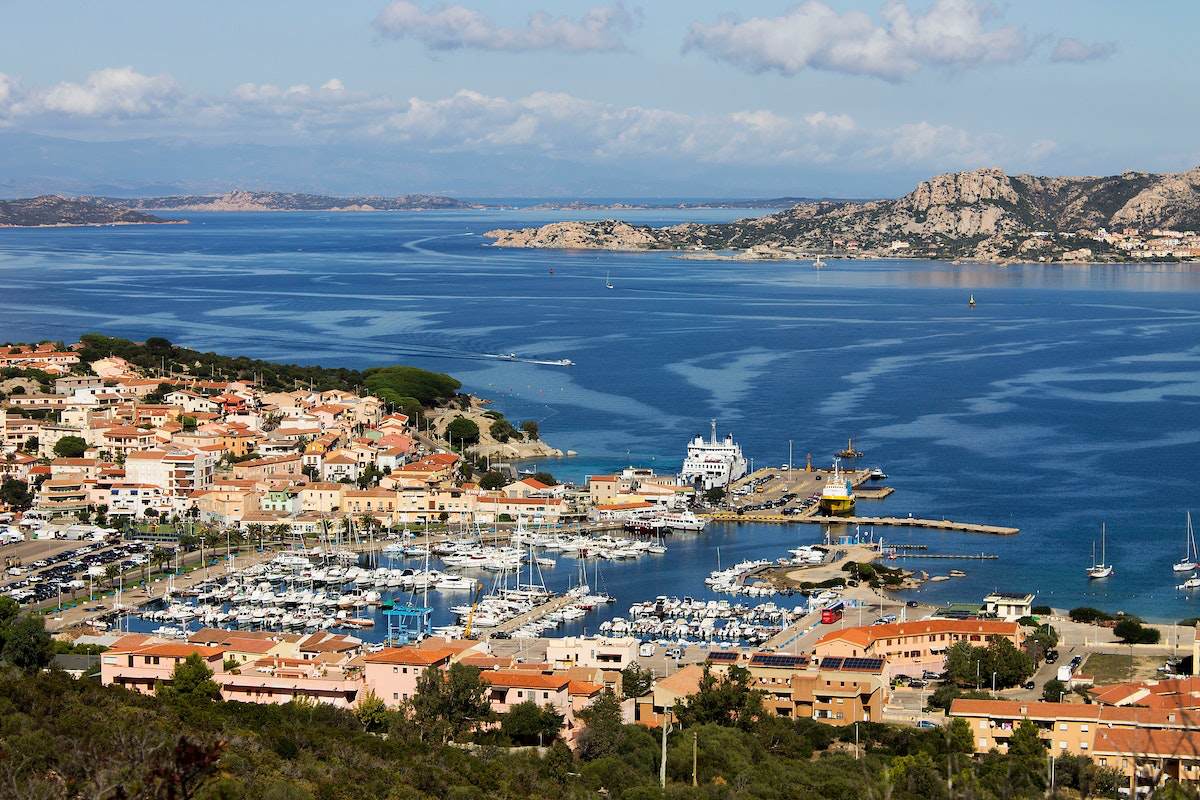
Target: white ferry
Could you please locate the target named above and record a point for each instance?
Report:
(713, 463)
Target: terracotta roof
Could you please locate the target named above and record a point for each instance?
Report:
(534, 484)
(516, 679)
(522, 501)
(866, 634)
(410, 656)
(584, 688)
(623, 506)
(1149, 743)
(1017, 709)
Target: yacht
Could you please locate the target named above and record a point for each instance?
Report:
(1188, 563)
(713, 463)
(1191, 583)
(1100, 569)
(608, 284)
(680, 521)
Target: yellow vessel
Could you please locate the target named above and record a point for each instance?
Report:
(837, 497)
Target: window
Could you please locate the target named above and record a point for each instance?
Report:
(1062, 745)
(395, 695)
(1083, 728)
(1062, 726)
(395, 669)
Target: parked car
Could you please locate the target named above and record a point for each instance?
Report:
(926, 723)
(1029, 685)
(1051, 656)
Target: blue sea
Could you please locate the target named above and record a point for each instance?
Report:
(1068, 397)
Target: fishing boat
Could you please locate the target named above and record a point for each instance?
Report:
(608, 284)
(1100, 569)
(1188, 563)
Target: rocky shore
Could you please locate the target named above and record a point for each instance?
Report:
(982, 215)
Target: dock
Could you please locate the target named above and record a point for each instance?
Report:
(873, 492)
(537, 612)
(952, 556)
(900, 522)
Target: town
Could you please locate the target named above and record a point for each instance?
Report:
(267, 515)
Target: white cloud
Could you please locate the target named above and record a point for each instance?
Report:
(116, 92)
(1073, 50)
(558, 125)
(454, 27)
(951, 33)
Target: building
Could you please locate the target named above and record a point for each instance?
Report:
(1009, 606)
(913, 647)
(602, 652)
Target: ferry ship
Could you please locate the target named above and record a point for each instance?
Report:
(713, 463)
(837, 497)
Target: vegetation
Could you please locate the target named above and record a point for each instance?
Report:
(635, 681)
(1132, 631)
(968, 665)
(530, 428)
(15, 494)
(1053, 690)
(546, 478)
(493, 479)
(462, 431)
(502, 430)
(70, 447)
(407, 388)
(63, 738)
(1088, 614)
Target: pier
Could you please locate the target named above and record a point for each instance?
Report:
(537, 612)
(899, 522)
(951, 556)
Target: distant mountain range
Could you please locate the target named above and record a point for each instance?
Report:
(52, 210)
(290, 201)
(983, 214)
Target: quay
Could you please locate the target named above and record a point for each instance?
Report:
(535, 613)
(901, 522)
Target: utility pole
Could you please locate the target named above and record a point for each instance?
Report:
(695, 737)
(662, 766)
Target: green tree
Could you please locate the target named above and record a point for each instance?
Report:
(189, 423)
(545, 477)
(531, 430)
(1131, 631)
(501, 430)
(27, 645)
(493, 479)
(70, 447)
(1043, 638)
(371, 712)
(728, 700)
(714, 495)
(604, 731)
(528, 723)
(15, 494)
(635, 681)
(1053, 690)
(397, 384)
(462, 431)
(191, 680)
(448, 704)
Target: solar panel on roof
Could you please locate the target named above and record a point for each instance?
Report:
(774, 660)
(869, 664)
(722, 656)
(831, 662)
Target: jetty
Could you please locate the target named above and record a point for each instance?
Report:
(535, 613)
(951, 556)
(900, 522)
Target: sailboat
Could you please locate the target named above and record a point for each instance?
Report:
(608, 284)
(1188, 563)
(971, 301)
(1100, 569)
(818, 262)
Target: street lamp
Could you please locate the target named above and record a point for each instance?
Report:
(993, 683)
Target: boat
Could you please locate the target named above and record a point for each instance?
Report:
(957, 573)
(679, 521)
(1188, 563)
(836, 496)
(1191, 583)
(608, 284)
(877, 474)
(849, 452)
(507, 356)
(818, 262)
(713, 463)
(971, 301)
(1100, 569)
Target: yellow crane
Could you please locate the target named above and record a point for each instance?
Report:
(471, 613)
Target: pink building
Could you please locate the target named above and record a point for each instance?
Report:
(392, 673)
(142, 662)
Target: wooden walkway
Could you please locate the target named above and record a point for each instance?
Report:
(537, 612)
(904, 522)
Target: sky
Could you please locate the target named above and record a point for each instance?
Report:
(659, 98)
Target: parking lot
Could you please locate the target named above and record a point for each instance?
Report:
(784, 491)
(40, 570)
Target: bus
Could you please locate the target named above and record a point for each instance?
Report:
(832, 613)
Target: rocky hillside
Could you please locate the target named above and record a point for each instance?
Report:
(983, 213)
(239, 200)
(50, 210)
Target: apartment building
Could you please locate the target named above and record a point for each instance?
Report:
(912, 647)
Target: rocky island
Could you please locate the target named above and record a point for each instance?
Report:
(56, 211)
(982, 214)
(239, 200)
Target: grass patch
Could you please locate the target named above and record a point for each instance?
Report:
(1116, 667)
